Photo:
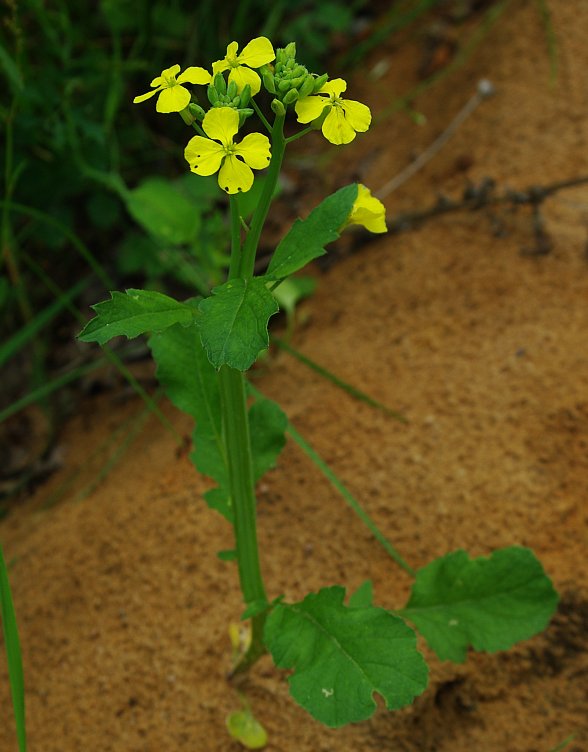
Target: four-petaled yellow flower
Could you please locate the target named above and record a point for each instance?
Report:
(345, 117)
(235, 160)
(367, 211)
(258, 52)
(173, 97)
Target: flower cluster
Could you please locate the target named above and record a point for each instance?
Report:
(317, 102)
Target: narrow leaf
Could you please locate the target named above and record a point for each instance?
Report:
(488, 603)
(234, 322)
(308, 237)
(134, 313)
(13, 654)
(341, 656)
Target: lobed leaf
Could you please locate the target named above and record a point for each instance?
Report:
(488, 603)
(308, 237)
(341, 656)
(234, 322)
(135, 312)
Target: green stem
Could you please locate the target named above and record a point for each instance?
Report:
(241, 486)
(252, 239)
(237, 441)
(303, 132)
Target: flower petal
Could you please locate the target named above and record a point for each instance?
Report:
(194, 75)
(336, 87)
(170, 72)
(255, 150)
(203, 155)
(358, 115)
(242, 76)
(311, 107)
(219, 66)
(158, 81)
(258, 52)
(367, 211)
(221, 123)
(336, 129)
(143, 97)
(235, 176)
(173, 99)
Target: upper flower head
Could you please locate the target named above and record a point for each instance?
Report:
(173, 96)
(258, 52)
(344, 118)
(367, 211)
(235, 160)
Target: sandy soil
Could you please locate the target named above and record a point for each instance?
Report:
(122, 603)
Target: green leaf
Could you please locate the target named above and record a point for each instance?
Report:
(488, 602)
(234, 322)
(164, 211)
(307, 237)
(341, 656)
(134, 313)
(363, 596)
(190, 382)
(13, 654)
(267, 424)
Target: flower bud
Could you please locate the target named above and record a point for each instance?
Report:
(196, 111)
(290, 50)
(268, 81)
(278, 108)
(187, 116)
(232, 90)
(212, 95)
(245, 96)
(220, 84)
(307, 87)
(320, 82)
(284, 85)
(290, 97)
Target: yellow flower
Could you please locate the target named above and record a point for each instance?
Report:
(367, 211)
(235, 160)
(173, 97)
(345, 117)
(258, 52)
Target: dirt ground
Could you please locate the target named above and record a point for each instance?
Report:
(122, 603)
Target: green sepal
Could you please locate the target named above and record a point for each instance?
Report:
(135, 312)
(320, 82)
(268, 80)
(487, 603)
(220, 84)
(341, 656)
(234, 321)
(306, 239)
(290, 97)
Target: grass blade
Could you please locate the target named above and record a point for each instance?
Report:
(13, 654)
(352, 390)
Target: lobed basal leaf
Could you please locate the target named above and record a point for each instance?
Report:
(488, 603)
(342, 655)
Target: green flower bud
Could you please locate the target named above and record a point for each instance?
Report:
(232, 90)
(187, 116)
(212, 95)
(295, 83)
(268, 81)
(245, 96)
(307, 87)
(299, 70)
(220, 84)
(290, 50)
(290, 96)
(320, 82)
(196, 111)
(278, 108)
(284, 85)
(235, 102)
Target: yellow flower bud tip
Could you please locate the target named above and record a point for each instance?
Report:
(367, 211)
(345, 117)
(173, 97)
(257, 53)
(219, 152)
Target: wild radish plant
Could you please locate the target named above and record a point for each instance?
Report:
(341, 650)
